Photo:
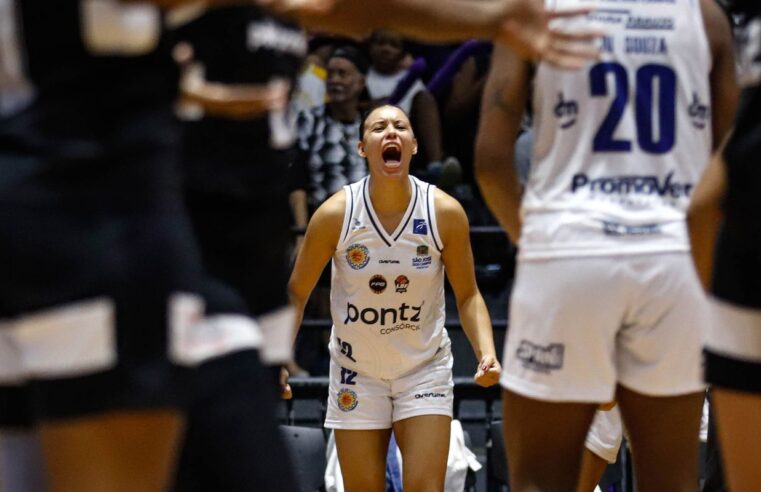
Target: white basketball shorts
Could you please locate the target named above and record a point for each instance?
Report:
(580, 326)
(360, 402)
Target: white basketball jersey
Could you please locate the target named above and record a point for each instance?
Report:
(387, 291)
(621, 144)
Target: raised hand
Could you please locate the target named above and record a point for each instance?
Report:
(528, 31)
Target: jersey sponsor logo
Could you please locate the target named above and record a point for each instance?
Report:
(270, 35)
(632, 185)
(699, 112)
(357, 226)
(400, 326)
(421, 263)
(378, 284)
(540, 358)
(650, 23)
(617, 229)
(566, 111)
(385, 316)
(419, 226)
(401, 283)
(358, 256)
(388, 262)
(430, 395)
(422, 250)
(347, 400)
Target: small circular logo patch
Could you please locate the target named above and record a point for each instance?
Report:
(401, 283)
(347, 400)
(378, 284)
(357, 256)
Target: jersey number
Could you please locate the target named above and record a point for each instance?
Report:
(346, 349)
(651, 80)
(347, 376)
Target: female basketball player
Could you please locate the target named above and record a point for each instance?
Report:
(390, 237)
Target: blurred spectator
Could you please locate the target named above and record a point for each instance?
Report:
(461, 108)
(389, 62)
(389, 65)
(327, 136)
(311, 85)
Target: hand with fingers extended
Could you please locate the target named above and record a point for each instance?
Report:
(528, 31)
(488, 371)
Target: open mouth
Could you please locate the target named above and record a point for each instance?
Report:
(392, 156)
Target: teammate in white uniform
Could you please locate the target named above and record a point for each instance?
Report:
(390, 237)
(606, 304)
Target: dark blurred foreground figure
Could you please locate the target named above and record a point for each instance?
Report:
(729, 264)
(101, 292)
(235, 161)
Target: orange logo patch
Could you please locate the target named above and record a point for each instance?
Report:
(347, 400)
(357, 256)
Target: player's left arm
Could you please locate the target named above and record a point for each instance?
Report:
(704, 215)
(457, 256)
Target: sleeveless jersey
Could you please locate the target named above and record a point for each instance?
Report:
(620, 144)
(387, 290)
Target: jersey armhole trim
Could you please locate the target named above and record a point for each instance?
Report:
(432, 218)
(349, 212)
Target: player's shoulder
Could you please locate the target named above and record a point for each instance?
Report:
(450, 215)
(446, 202)
(717, 25)
(330, 214)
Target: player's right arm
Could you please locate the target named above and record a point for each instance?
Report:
(502, 106)
(319, 244)
(704, 215)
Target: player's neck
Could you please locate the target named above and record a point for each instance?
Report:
(390, 196)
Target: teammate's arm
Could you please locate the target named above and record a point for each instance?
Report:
(502, 106)
(724, 90)
(704, 215)
(458, 262)
(521, 24)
